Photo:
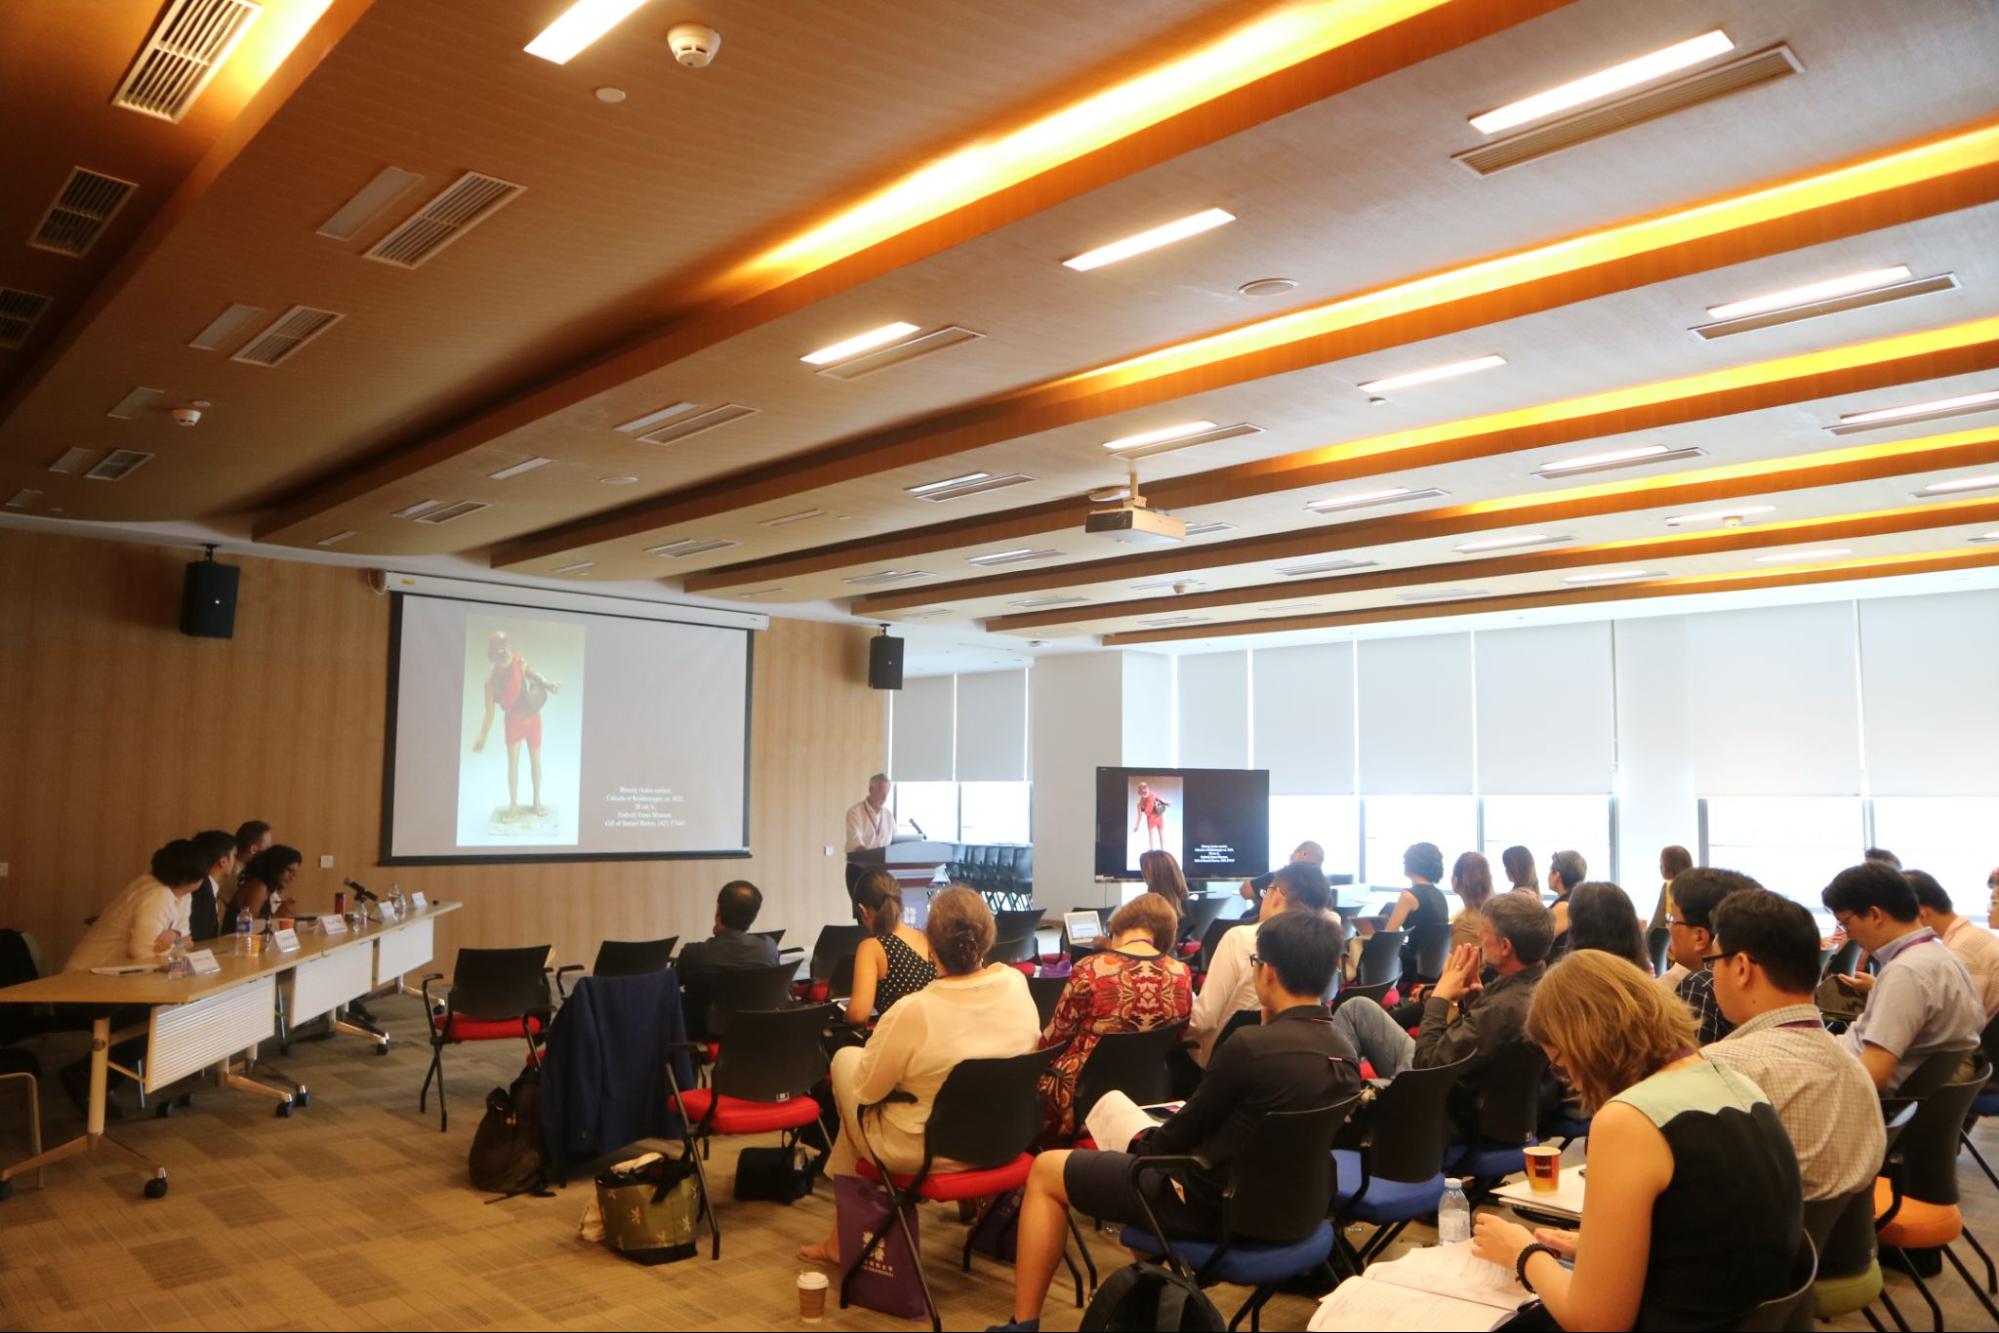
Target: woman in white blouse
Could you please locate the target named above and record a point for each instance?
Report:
(972, 1011)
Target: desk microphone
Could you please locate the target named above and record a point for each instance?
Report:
(361, 891)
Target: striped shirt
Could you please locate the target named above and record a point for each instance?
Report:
(1822, 1093)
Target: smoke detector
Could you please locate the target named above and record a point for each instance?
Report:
(694, 44)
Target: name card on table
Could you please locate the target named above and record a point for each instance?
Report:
(333, 924)
(202, 963)
(417, 903)
(286, 940)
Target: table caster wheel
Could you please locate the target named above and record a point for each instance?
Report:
(302, 1098)
(6, 1190)
(163, 1110)
(185, 1099)
(156, 1188)
(382, 1048)
(284, 1110)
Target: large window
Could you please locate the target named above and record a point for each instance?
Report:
(1949, 836)
(1793, 844)
(1394, 822)
(1331, 821)
(976, 812)
(1549, 824)
(927, 809)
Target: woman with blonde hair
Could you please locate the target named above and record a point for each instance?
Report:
(1694, 1209)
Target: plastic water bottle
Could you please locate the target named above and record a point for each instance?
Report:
(177, 964)
(244, 925)
(1453, 1213)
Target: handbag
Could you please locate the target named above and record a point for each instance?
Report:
(649, 1210)
(888, 1281)
(773, 1175)
(996, 1234)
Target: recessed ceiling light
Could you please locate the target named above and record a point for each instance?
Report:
(1439, 595)
(1983, 401)
(73, 461)
(689, 546)
(420, 507)
(1036, 603)
(1362, 499)
(860, 342)
(525, 465)
(578, 26)
(963, 480)
(1206, 529)
(1158, 436)
(618, 481)
(1614, 576)
(24, 499)
(335, 538)
(1823, 553)
(1603, 83)
(1955, 487)
(1178, 230)
(1324, 567)
(389, 184)
(1508, 543)
(1267, 287)
(786, 520)
(651, 419)
(1719, 516)
(1616, 458)
(1171, 585)
(1018, 556)
(1810, 292)
(610, 96)
(577, 568)
(1433, 374)
(890, 576)
(1985, 538)
(759, 592)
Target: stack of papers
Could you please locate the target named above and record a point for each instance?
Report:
(1444, 1287)
(1565, 1200)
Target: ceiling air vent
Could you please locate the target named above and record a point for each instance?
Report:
(184, 52)
(451, 512)
(18, 312)
(901, 353)
(286, 334)
(681, 427)
(1759, 67)
(459, 207)
(689, 546)
(118, 465)
(80, 211)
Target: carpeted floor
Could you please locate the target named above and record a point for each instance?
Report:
(355, 1213)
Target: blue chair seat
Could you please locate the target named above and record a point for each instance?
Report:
(1986, 1103)
(1247, 1263)
(1484, 1161)
(1385, 1201)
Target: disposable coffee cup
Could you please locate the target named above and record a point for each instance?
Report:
(1544, 1169)
(812, 1286)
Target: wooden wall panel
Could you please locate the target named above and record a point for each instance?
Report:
(118, 733)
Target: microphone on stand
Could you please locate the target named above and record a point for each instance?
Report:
(919, 830)
(361, 891)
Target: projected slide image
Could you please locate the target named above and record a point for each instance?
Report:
(1154, 809)
(520, 765)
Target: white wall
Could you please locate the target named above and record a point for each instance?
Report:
(1078, 723)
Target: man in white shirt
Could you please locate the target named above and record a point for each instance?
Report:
(1231, 982)
(870, 824)
(1975, 946)
(141, 923)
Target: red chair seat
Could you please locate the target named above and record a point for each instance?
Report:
(1916, 1225)
(483, 1029)
(735, 1115)
(948, 1186)
(710, 1052)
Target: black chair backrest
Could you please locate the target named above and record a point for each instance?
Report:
(1381, 958)
(1009, 925)
(834, 944)
(1279, 1183)
(1792, 1311)
(1409, 1123)
(989, 1111)
(1935, 1070)
(1047, 993)
(726, 991)
(1842, 961)
(1509, 1093)
(1133, 1063)
(1928, 1148)
(1658, 943)
(773, 1054)
(774, 936)
(632, 958)
(1200, 913)
(1211, 938)
(1011, 949)
(1432, 949)
(1988, 1041)
(1241, 1018)
(1842, 1230)
(1376, 992)
(490, 984)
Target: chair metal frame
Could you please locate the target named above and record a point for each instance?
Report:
(501, 993)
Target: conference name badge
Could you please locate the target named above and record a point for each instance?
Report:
(417, 903)
(333, 924)
(286, 940)
(202, 962)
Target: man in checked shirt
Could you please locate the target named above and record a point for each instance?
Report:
(1696, 893)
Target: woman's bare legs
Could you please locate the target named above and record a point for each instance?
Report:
(1044, 1230)
(534, 773)
(514, 778)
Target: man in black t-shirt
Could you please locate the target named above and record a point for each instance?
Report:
(1311, 853)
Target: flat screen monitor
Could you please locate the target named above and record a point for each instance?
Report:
(1215, 821)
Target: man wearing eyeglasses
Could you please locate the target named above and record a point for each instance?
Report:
(1695, 895)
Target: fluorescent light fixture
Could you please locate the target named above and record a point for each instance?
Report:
(1324, 567)
(1433, 374)
(1719, 516)
(689, 546)
(1810, 293)
(882, 576)
(387, 187)
(73, 461)
(1165, 234)
(1209, 529)
(1160, 436)
(1823, 553)
(578, 567)
(1508, 543)
(785, 520)
(1018, 556)
(335, 538)
(1961, 484)
(1439, 595)
(578, 26)
(1614, 576)
(1912, 411)
(948, 482)
(618, 481)
(1986, 538)
(420, 507)
(525, 465)
(860, 342)
(1183, 585)
(1036, 603)
(1361, 499)
(1603, 83)
(24, 499)
(1616, 458)
(651, 419)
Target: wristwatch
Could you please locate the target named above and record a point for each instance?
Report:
(1520, 1264)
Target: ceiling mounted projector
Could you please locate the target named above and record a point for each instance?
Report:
(1134, 522)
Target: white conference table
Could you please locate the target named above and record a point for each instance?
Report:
(200, 1021)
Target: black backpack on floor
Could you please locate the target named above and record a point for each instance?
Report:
(1147, 1296)
(506, 1157)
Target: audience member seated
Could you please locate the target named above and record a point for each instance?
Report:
(1461, 1018)
(1882, 856)
(1602, 916)
(1231, 981)
(218, 853)
(1471, 880)
(253, 836)
(263, 884)
(1973, 944)
(1311, 853)
(1672, 862)
(1696, 893)
(1161, 873)
(895, 960)
(1134, 985)
(1294, 1061)
(1694, 1212)
(884, 1090)
(1765, 964)
(1521, 876)
(1565, 871)
(1919, 1000)
(1422, 907)
(730, 945)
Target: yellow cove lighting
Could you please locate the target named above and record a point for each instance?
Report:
(1593, 87)
(860, 342)
(1160, 436)
(1179, 230)
(1433, 374)
(578, 26)
(1824, 290)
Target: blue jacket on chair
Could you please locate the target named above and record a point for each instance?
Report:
(603, 1081)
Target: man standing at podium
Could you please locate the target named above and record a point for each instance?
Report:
(870, 824)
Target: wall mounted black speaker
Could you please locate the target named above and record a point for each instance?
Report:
(884, 663)
(208, 600)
